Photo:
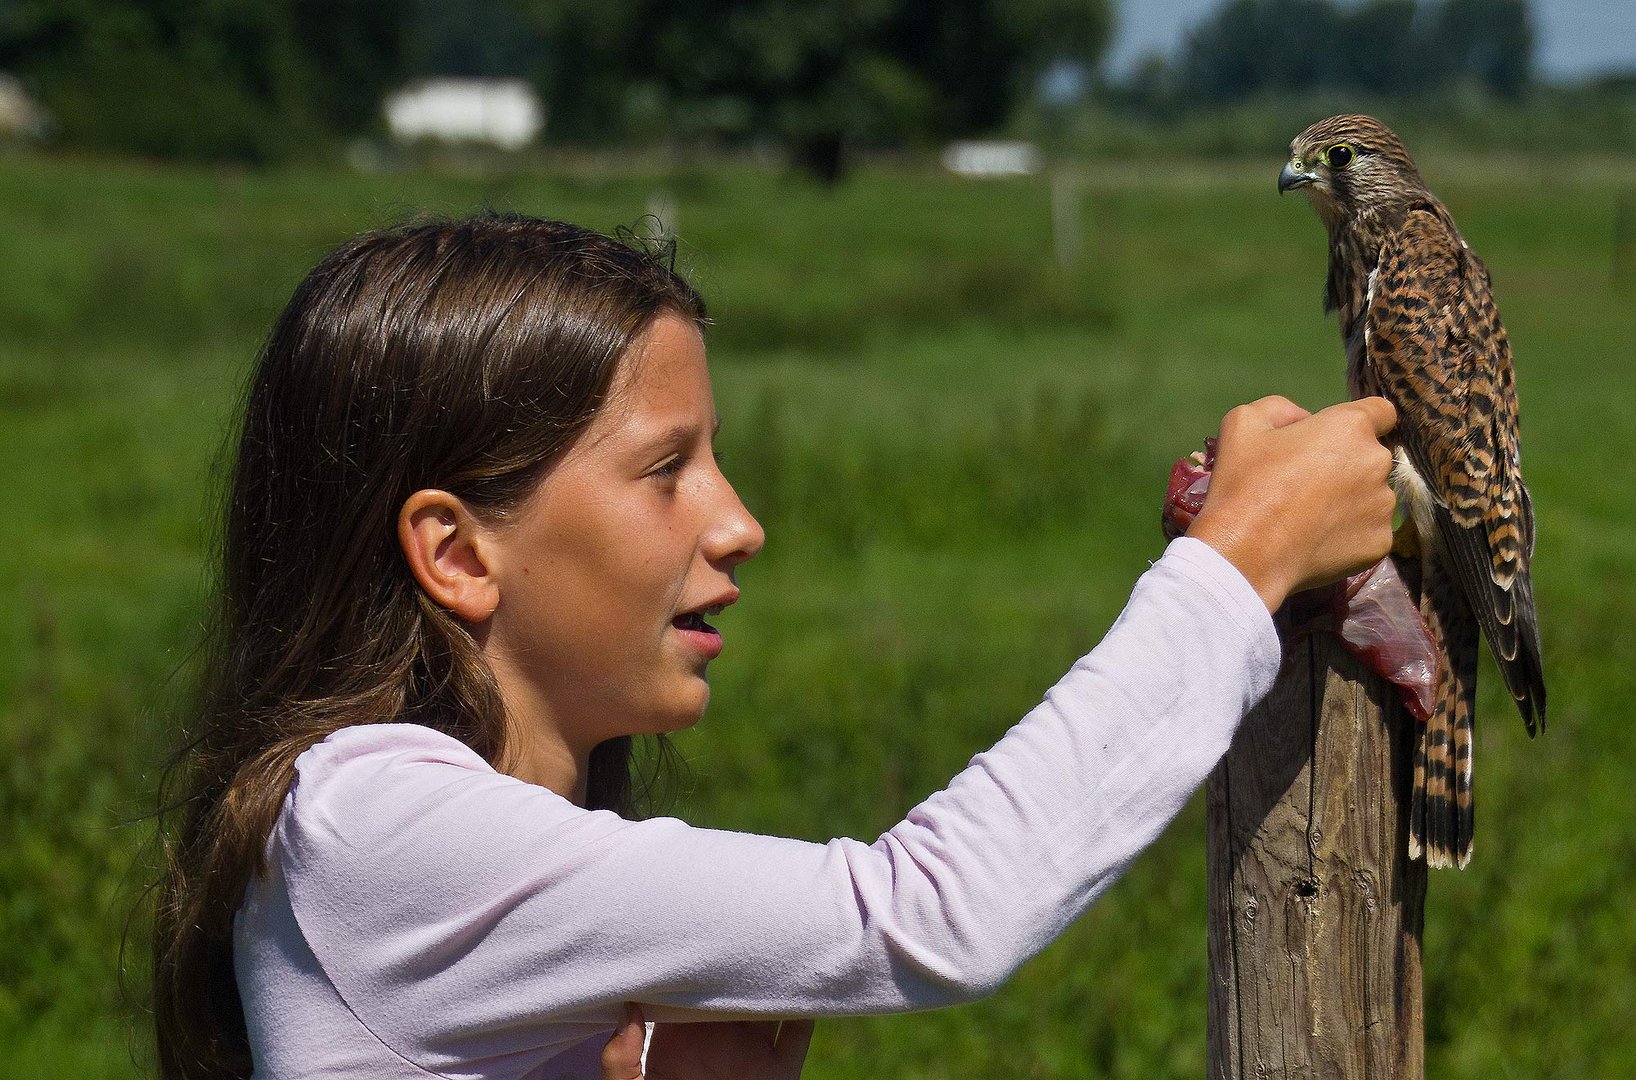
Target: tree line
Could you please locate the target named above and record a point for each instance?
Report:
(258, 80)
(1381, 48)
(263, 80)
(248, 80)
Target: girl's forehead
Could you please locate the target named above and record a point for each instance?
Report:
(663, 383)
(665, 368)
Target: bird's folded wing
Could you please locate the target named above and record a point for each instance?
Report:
(1439, 352)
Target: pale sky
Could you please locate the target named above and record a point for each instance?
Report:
(1575, 38)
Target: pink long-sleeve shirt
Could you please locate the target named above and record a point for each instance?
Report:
(424, 914)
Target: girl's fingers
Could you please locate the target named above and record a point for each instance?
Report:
(1382, 414)
(622, 1056)
(1274, 411)
(1297, 501)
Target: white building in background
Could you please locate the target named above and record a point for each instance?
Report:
(992, 158)
(20, 116)
(501, 112)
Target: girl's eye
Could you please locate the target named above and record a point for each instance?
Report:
(1338, 156)
(671, 467)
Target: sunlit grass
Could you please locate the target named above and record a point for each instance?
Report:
(958, 451)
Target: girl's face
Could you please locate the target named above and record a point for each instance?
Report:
(608, 571)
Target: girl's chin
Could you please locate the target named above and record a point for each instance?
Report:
(677, 703)
(683, 713)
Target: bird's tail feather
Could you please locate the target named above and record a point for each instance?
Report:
(1441, 820)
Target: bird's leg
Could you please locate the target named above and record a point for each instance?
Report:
(1373, 613)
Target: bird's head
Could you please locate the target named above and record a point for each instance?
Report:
(1350, 165)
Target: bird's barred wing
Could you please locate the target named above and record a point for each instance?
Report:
(1435, 347)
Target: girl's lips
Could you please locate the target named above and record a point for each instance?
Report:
(699, 635)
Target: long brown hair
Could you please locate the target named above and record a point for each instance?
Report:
(461, 355)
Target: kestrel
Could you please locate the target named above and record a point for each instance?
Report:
(1420, 328)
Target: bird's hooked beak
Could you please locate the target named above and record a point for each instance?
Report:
(1292, 177)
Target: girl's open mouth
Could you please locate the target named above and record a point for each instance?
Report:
(699, 635)
(693, 621)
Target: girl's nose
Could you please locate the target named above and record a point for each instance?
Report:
(736, 535)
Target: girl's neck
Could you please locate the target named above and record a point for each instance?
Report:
(539, 757)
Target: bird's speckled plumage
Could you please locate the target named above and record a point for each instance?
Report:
(1420, 328)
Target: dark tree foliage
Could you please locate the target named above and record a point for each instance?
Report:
(355, 51)
(258, 79)
(1489, 41)
(248, 80)
(1384, 47)
(814, 74)
(472, 39)
(1385, 51)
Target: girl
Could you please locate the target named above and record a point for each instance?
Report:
(474, 537)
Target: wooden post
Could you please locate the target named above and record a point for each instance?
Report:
(1315, 911)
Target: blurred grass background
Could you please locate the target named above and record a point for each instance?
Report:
(958, 449)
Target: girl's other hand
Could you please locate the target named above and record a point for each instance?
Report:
(1298, 499)
(733, 1050)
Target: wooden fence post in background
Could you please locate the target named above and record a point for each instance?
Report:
(1315, 910)
(1624, 238)
(1067, 224)
(660, 221)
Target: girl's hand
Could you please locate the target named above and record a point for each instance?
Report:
(1299, 500)
(733, 1050)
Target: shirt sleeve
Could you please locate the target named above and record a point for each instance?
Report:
(452, 906)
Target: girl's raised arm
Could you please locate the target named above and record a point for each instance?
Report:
(463, 915)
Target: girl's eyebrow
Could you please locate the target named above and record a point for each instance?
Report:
(682, 433)
(667, 440)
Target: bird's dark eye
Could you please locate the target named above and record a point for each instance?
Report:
(1338, 156)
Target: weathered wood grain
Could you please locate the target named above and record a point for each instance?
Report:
(1315, 910)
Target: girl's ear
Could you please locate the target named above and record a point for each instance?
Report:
(444, 545)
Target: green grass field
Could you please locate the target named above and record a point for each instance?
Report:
(958, 451)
